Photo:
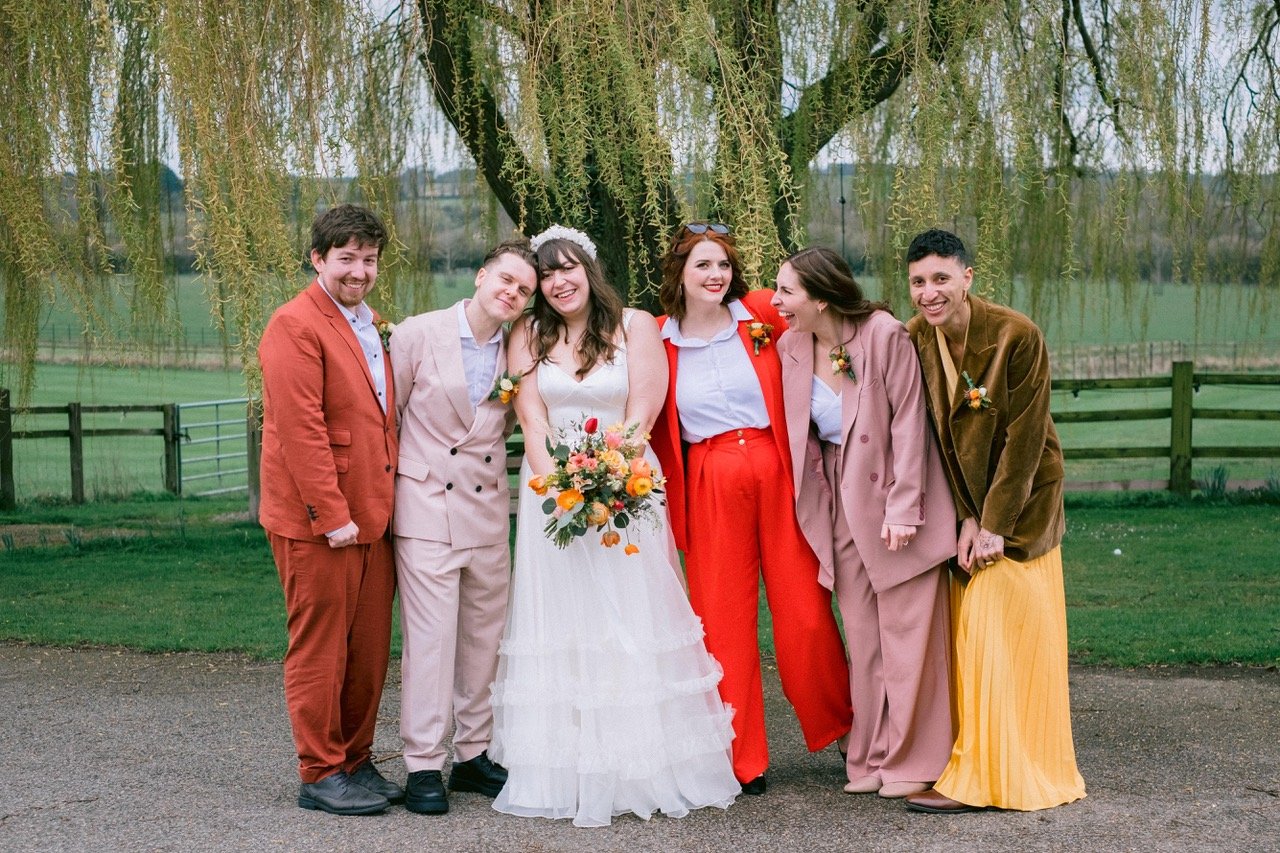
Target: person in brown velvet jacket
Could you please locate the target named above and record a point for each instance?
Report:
(987, 371)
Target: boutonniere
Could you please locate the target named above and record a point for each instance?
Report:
(385, 328)
(841, 363)
(761, 335)
(976, 397)
(507, 386)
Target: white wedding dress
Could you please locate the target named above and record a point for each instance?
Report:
(605, 700)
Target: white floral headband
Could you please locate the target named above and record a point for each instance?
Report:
(559, 232)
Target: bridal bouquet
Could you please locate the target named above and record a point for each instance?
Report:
(601, 480)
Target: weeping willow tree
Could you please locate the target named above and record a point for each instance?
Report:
(1065, 139)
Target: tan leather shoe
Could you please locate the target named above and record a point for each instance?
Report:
(898, 790)
(865, 785)
(934, 803)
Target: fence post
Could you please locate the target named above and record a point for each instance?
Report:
(172, 452)
(1180, 428)
(253, 453)
(8, 496)
(75, 432)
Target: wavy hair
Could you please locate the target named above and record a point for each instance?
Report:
(671, 291)
(605, 317)
(824, 275)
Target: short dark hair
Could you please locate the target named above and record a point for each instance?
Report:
(518, 247)
(339, 225)
(935, 241)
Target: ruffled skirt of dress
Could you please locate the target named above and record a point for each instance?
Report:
(605, 700)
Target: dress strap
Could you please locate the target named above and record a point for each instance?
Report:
(627, 314)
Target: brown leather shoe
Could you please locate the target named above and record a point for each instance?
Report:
(934, 803)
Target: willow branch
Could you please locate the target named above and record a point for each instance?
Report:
(1099, 74)
(471, 107)
(826, 105)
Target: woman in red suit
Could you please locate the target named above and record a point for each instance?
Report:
(722, 441)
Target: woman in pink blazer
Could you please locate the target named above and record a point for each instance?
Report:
(722, 441)
(873, 501)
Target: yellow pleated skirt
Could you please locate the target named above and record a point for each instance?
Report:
(1013, 745)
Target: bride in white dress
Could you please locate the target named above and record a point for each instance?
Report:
(605, 700)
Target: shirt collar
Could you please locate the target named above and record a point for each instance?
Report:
(464, 325)
(362, 315)
(671, 328)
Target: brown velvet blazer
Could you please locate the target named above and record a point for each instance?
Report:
(1004, 462)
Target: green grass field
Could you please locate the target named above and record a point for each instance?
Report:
(1074, 314)
(1084, 314)
(1193, 582)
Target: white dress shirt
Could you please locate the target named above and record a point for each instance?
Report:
(370, 341)
(480, 361)
(717, 389)
(826, 411)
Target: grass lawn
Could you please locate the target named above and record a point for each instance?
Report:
(1196, 582)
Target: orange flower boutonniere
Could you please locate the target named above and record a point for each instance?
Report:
(841, 363)
(976, 397)
(507, 386)
(385, 328)
(761, 335)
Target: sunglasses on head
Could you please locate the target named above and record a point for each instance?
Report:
(704, 227)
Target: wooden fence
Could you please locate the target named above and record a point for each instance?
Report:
(1181, 413)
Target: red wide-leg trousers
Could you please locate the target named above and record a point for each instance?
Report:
(742, 523)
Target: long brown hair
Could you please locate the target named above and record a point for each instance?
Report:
(671, 292)
(605, 317)
(824, 275)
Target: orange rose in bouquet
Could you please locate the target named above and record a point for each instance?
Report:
(600, 481)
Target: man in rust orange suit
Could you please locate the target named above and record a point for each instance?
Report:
(329, 450)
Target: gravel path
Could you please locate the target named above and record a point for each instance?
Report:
(112, 750)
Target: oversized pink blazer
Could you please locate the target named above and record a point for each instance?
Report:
(328, 450)
(452, 482)
(665, 435)
(892, 472)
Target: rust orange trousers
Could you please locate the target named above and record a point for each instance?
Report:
(338, 603)
(742, 523)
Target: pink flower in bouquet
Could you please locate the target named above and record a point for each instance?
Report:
(613, 439)
(640, 466)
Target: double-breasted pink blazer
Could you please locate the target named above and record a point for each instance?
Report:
(452, 484)
(892, 471)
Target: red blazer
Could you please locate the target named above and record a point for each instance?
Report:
(665, 436)
(328, 450)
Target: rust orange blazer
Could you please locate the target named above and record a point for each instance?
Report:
(892, 467)
(665, 436)
(328, 450)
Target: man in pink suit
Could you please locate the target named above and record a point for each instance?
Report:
(328, 465)
(452, 525)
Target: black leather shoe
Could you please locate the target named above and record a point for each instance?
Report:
(755, 787)
(424, 793)
(337, 794)
(480, 774)
(367, 776)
